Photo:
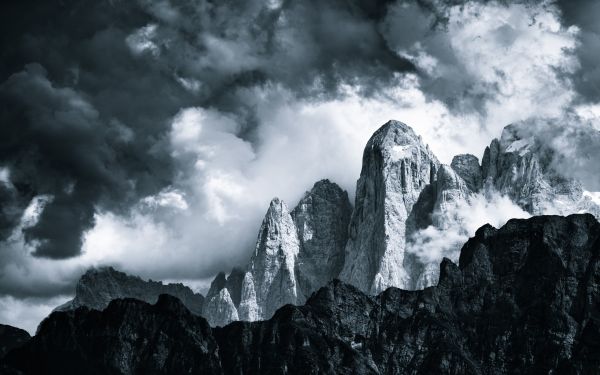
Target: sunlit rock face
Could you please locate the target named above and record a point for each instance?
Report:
(397, 166)
(219, 306)
(272, 265)
(403, 191)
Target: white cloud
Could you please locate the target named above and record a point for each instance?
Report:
(461, 219)
(168, 197)
(142, 40)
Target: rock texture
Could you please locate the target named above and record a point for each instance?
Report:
(272, 280)
(128, 337)
(11, 337)
(321, 218)
(98, 286)
(519, 165)
(296, 253)
(523, 299)
(467, 167)
(219, 306)
(397, 167)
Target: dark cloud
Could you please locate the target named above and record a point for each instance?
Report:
(584, 14)
(89, 88)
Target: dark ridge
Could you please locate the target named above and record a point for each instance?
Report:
(524, 300)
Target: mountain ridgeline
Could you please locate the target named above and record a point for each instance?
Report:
(523, 299)
(403, 189)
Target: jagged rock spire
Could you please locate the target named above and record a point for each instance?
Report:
(397, 166)
(273, 262)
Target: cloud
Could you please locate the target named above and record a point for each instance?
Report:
(461, 219)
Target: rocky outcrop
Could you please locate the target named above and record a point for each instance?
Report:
(11, 337)
(520, 166)
(98, 286)
(467, 167)
(321, 218)
(523, 299)
(397, 167)
(296, 253)
(219, 305)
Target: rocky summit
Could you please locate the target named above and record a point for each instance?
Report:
(523, 299)
(296, 253)
(397, 166)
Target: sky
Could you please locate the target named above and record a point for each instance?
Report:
(151, 135)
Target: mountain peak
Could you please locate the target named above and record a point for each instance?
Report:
(397, 167)
(393, 133)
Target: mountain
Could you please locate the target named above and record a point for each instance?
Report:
(523, 299)
(10, 338)
(396, 168)
(410, 211)
(98, 286)
(520, 166)
(296, 253)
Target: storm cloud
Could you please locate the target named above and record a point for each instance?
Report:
(89, 88)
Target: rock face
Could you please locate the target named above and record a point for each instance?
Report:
(520, 166)
(98, 286)
(296, 253)
(219, 305)
(11, 337)
(321, 218)
(397, 167)
(523, 299)
(467, 167)
(272, 280)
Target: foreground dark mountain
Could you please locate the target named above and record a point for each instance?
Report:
(11, 337)
(524, 298)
